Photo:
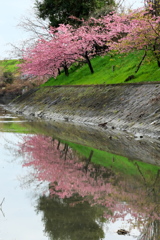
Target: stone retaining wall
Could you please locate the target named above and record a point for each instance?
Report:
(133, 108)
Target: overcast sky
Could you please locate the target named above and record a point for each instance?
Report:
(11, 13)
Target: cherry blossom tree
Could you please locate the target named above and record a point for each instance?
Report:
(143, 35)
(155, 4)
(47, 56)
(138, 30)
(68, 45)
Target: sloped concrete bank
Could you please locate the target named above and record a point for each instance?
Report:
(8, 96)
(134, 108)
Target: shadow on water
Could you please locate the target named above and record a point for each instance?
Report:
(96, 187)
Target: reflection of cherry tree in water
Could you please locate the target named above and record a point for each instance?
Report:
(143, 196)
(56, 163)
(151, 230)
(66, 221)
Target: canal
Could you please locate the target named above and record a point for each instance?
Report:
(60, 181)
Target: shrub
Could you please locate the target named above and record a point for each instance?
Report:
(8, 77)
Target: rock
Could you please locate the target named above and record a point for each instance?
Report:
(102, 124)
(66, 119)
(138, 136)
(122, 232)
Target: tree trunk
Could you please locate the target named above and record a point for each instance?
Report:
(66, 70)
(59, 72)
(155, 52)
(139, 65)
(89, 62)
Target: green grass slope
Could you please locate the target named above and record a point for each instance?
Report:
(9, 66)
(110, 70)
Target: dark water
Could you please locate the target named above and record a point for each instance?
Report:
(64, 182)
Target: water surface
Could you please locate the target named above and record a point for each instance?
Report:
(59, 187)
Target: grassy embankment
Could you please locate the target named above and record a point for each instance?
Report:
(18, 84)
(11, 69)
(110, 70)
(9, 66)
(107, 70)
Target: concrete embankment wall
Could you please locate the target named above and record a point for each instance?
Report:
(133, 108)
(6, 97)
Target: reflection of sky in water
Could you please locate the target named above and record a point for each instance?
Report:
(13, 121)
(7, 116)
(20, 221)
(111, 231)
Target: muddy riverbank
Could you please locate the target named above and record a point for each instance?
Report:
(132, 108)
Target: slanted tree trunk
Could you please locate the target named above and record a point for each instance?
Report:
(88, 62)
(140, 63)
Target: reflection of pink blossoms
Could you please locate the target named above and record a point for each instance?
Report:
(67, 175)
